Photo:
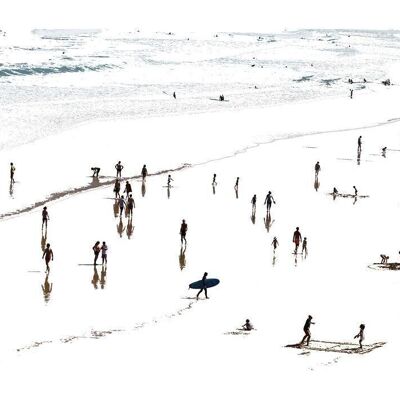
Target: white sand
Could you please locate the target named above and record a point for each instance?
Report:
(165, 350)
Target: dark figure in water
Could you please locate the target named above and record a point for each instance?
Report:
(119, 167)
(174, 95)
(350, 80)
(253, 204)
(296, 239)
(317, 168)
(384, 151)
(268, 201)
(96, 250)
(359, 143)
(335, 192)
(236, 187)
(351, 93)
(360, 335)
(47, 288)
(144, 173)
(45, 217)
(204, 287)
(169, 181)
(275, 243)
(221, 97)
(12, 172)
(117, 188)
(214, 181)
(355, 191)
(96, 171)
(247, 326)
(307, 332)
(183, 231)
(48, 256)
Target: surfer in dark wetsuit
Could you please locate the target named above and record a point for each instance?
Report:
(360, 335)
(384, 151)
(296, 239)
(204, 287)
(119, 167)
(307, 331)
(183, 231)
(144, 173)
(268, 201)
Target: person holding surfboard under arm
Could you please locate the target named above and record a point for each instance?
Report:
(204, 286)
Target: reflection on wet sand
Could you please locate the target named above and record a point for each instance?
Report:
(47, 289)
(268, 221)
(95, 279)
(116, 209)
(43, 240)
(11, 189)
(213, 188)
(182, 258)
(95, 181)
(237, 192)
(316, 184)
(359, 156)
(103, 275)
(168, 192)
(129, 228)
(253, 218)
(120, 227)
(143, 188)
(273, 259)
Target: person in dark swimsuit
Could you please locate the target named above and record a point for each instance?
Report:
(45, 217)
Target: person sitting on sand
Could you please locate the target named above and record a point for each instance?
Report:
(203, 287)
(296, 239)
(247, 326)
(307, 332)
(360, 335)
(144, 173)
(119, 167)
(355, 191)
(275, 243)
(384, 259)
(48, 255)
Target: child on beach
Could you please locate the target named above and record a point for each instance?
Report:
(360, 335)
(247, 326)
(304, 249)
(96, 250)
(48, 255)
(275, 243)
(104, 250)
(45, 216)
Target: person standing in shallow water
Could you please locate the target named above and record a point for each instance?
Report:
(131, 205)
(296, 239)
(144, 173)
(96, 250)
(268, 201)
(12, 172)
(359, 143)
(104, 250)
(317, 169)
(119, 167)
(183, 231)
(307, 331)
(45, 217)
(117, 188)
(204, 286)
(48, 256)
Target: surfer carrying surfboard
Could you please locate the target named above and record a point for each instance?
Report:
(204, 286)
(183, 231)
(307, 331)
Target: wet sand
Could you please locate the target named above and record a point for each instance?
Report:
(141, 334)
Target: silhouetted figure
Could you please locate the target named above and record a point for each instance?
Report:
(96, 171)
(144, 173)
(296, 239)
(43, 241)
(12, 173)
(119, 167)
(275, 243)
(221, 97)
(103, 275)
(247, 326)
(268, 221)
(360, 335)
(351, 93)
(128, 188)
(120, 227)
(11, 189)
(96, 278)
(316, 183)
(204, 287)
(174, 95)
(122, 205)
(236, 187)
(182, 258)
(96, 250)
(351, 81)
(253, 204)
(304, 249)
(48, 256)
(47, 289)
(183, 231)
(335, 192)
(131, 205)
(169, 180)
(104, 251)
(359, 143)
(384, 259)
(45, 217)
(268, 201)
(355, 191)
(117, 188)
(317, 168)
(384, 151)
(307, 331)
(214, 181)
(129, 228)
(143, 188)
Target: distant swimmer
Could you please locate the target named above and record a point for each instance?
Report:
(351, 93)
(355, 191)
(317, 168)
(335, 192)
(131, 205)
(96, 171)
(117, 188)
(307, 331)
(275, 243)
(12, 172)
(48, 256)
(128, 188)
(119, 167)
(169, 180)
(45, 217)
(236, 187)
(174, 95)
(253, 204)
(104, 250)
(360, 335)
(296, 239)
(304, 249)
(204, 286)
(247, 326)
(183, 231)
(359, 143)
(350, 81)
(384, 259)
(96, 250)
(144, 173)
(268, 200)
(214, 181)
(122, 205)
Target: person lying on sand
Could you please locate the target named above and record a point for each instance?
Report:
(247, 326)
(384, 259)
(360, 335)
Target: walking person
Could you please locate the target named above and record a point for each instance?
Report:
(204, 286)
(236, 187)
(128, 188)
(307, 331)
(304, 249)
(214, 181)
(183, 231)
(360, 335)
(355, 191)
(12, 172)
(48, 256)
(117, 188)
(275, 243)
(104, 250)
(45, 217)
(351, 93)
(144, 173)
(96, 250)
(131, 205)
(296, 239)
(268, 201)
(359, 143)
(122, 205)
(169, 180)
(119, 167)
(317, 169)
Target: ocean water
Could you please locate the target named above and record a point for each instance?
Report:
(51, 80)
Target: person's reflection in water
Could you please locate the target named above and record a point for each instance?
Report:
(95, 181)
(95, 279)
(182, 258)
(116, 208)
(316, 183)
(120, 227)
(274, 259)
(359, 156)
(11, 189)
(44, 240)
(143, 188)
(268, 221)
(295, 260)
(237, 192)
(168, 192)
(129, 228)
(47, 289)
(213, 189)
(103, 275)
(355, 200)
(253, 218)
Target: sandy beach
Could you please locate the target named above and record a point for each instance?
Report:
(144, 322)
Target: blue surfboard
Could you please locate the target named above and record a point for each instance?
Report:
(199, 284)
